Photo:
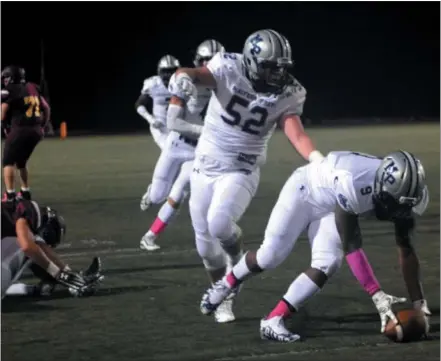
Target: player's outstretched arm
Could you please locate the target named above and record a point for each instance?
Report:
(293, 128)
(175, 121)
(200, 76)
(36, 254)
(32, 250)
(144, 104)
(350, 235)
(186, 78)
(410, 266)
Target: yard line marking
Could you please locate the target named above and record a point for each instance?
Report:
(300, 352)
(124, 252)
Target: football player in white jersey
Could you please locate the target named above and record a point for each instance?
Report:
(155, 89)
(184, 121)
(253, 92)
(326, 198)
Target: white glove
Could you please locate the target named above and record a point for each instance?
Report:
(184, 86)
(384, 303)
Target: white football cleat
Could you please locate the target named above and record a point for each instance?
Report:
(274, 329)
(148, 243)
(224, 313)
(215, 295)
(145, 200)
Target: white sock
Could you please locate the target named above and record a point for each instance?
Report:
(300, 291)
(166, 212)
(241, 270)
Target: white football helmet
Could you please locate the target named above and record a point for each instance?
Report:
(266, 58)
(167, 66)
(206, 50)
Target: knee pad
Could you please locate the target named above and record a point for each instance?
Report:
(159, 191)
(327, 262)
(211, 252)
(269, 257)
(221, 226)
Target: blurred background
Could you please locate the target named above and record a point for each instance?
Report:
(359, 62)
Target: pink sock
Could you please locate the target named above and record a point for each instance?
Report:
(232, 280)
(282, 309)
(158, 226)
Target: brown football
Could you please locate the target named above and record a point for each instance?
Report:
(412, 325)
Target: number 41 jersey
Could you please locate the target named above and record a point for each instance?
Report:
(239, 121)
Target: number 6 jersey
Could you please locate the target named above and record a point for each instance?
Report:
(239, 122)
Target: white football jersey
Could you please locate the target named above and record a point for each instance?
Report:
(354, 176)
(346, 178)
(239, 122)
(155, 88)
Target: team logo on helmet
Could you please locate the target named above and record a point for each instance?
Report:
(256, 49)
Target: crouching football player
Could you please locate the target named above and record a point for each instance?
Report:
(28, 237)
(327, 198)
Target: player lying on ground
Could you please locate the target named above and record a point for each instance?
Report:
(47, 284)
(253, 92)
(25, 113)
(29, 234)
(173, 169)
(327, 198)
(155, 90)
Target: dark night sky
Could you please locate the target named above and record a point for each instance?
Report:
(355, 59)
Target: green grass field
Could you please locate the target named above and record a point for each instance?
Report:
(148, 307)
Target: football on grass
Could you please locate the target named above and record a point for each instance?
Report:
(412, 326)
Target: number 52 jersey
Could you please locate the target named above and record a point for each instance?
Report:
(239, 122)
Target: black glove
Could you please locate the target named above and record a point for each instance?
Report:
(71, 280)
(92, 277)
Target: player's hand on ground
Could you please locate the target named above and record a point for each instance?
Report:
(71, 280)
(384, 303)
(92, 276)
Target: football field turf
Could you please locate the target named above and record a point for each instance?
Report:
(148, 306)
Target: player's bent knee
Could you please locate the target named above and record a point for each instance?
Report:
(327, 262)
(214, 262)
(220, 225)
(159, 191)
(210, 251)
(270, 257)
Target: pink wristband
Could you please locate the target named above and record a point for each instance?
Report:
(362, 270)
